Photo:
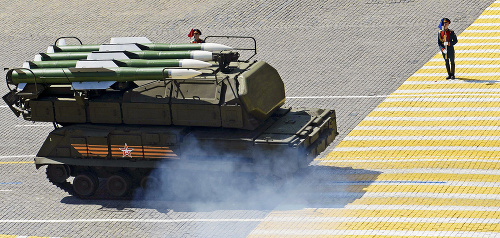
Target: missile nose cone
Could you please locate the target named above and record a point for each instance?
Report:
(191, 63)
(183, 73)
(201, 55)
(214, 47)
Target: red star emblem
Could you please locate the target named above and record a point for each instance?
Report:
(127, 152)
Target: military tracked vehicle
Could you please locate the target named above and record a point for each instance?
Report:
(121, 110)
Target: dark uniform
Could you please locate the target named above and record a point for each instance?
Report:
(199, 39)
(451, 38)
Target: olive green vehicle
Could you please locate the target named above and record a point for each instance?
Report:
(120, 113)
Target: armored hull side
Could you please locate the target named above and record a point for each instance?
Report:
(286, 142)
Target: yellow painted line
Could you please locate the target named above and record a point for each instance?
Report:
(476, 47)
(467, 55)
(459, 70)
(428, 188)
(18, 162)
(440, 104)
(410, 157)
(386, 213)
(490, 80)
(464, 62)
(431, 123)
(487, 20)
(434, 114)
(409, 154)
(480, 27)
(490, 12)
(471, 93)
(425, 203)
(413, 165)
(400, 157)
(436, 132)
(405, 226)
(471, 40)
(388, 143)
(416, 177)
(456, 86)
(479, 34)
(7, 236)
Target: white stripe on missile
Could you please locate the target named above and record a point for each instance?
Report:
(214, 47)
(182, 73)
(201, 55)
(191, 63)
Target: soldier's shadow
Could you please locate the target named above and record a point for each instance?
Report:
(472, 80)
(313, 187)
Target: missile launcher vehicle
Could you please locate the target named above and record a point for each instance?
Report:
(124, 109)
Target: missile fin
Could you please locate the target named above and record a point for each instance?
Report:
(21, 86)
(107, 55)
(120, 47)
(129, 40)
(95, 64)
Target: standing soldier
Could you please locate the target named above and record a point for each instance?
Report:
(196, 33)
(446, 40)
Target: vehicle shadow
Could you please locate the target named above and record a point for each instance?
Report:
(312, 187)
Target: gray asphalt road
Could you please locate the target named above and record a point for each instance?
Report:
(344, 55)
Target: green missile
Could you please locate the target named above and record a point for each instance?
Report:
(70, 75)
(195, 54)
(144, 46)
(50, 64)
(182, 63)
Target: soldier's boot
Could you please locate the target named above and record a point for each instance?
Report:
(448, 70)
(453, 71)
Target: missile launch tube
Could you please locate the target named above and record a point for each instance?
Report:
(64, 75)
(145, 46)
(184, 63)
(196, 54)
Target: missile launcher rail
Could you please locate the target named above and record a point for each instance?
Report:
(119, 122)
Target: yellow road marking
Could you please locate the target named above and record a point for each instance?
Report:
(388, 143)
(425, 202)
(413, 226)
(434, 114)
(412, 164)
(436, 132)
(18, 162)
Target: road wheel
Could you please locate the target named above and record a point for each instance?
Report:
(150, 183)
(119, 185)
(85, 184)
(57, 173)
